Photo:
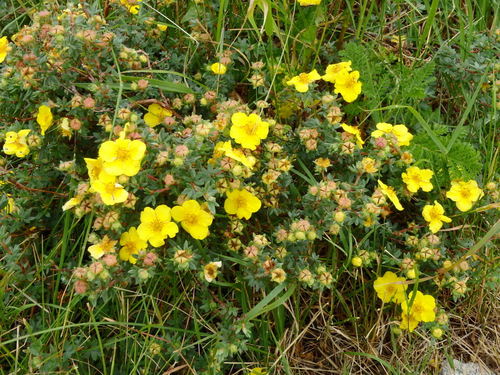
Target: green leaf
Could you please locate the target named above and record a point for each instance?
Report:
(162, 85)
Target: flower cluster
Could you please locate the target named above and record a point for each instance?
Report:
(341, 75)
(420, 308)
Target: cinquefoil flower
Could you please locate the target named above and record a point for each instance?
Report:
(333, 71)
(390, 288)
(225, 148)
(122, 156)
(399, 131)
(347, 85)
(193, 219)
(156, 226)
(4, 44)
(210, 270)
(131, 244)
(416, 178)
(15, 143)
(111, 192)
(106, 246)
(44, 118)
(434, 214)
(421, 310)
(248, 130)
(391, 194)
(464, 194)
(241, 203)
(156, 114)
(218, 68)
(131, 5)
(94, 167)
(306, 3)
(354, 130)
(302, 81)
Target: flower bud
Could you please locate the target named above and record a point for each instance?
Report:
(88, 103)
(150, 259)
(437, 332)
(143, 274)
(109, 260)
(357, 261)
(80, 286)
(339, 217)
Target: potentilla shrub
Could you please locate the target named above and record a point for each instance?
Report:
(216, 190)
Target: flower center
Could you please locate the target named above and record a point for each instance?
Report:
(122, 154)
(240, 202)
(465, 194)
(304, 78)
(250, 127)
(110, 188)
(211, 272)
(416, 178)
(157, 225)
(190, 219)
(435, 215)
(418, 308)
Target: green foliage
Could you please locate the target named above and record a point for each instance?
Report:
(463, 161)
(386, 83)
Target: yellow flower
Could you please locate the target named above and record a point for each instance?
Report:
(73, 202)
(383, 128)
(306, 3)
(390, 287)
(464, 194)
(416, 178)
(333, 70)
(122, 156)
(65, 128)
(354, 130)
(421, 310)
(241, 203)
(408, 322)
(434, 215)
(248, 130)
(348, 85)
(402, 134)
(322, 163)
(9, 207)
(156, 114)
(193, 219)
(4, 45)
(156, 226)
(302, 81)
(131, 244)
(225, 148)
(106, 246)
(399, 131)
(131, 5)
(278, 275)
(218, 68)
(391, 194)
(44, 118)
(111, 192)
(94, 167)
(15, 143)
(369, 165)
(210, 270)
(258, 370)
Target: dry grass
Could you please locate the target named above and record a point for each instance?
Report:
(321, 347)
